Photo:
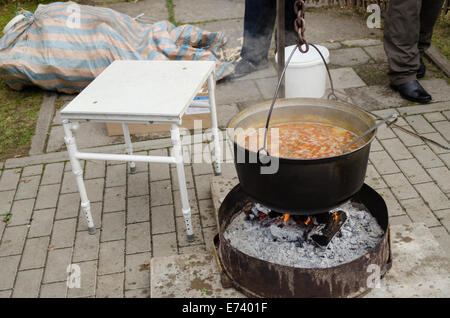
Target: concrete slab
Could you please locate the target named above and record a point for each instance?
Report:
(349, 57)
(345, 77)
(377, 53)
(154, 10)
(437, 88)
(188, 275)
(420, 268)
(233, 30)
(84, 137)
(375, 97)
(207, 10)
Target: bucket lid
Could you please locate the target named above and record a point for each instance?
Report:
(309, 58)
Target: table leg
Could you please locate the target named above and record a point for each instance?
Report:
(78, 172)
(177, 153)
(215, 126)
(129, 146)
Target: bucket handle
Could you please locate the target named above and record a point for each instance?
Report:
(263, 157)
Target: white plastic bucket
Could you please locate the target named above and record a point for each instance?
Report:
(306, 76)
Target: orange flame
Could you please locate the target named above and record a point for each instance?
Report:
(286, 217)
(308, 220)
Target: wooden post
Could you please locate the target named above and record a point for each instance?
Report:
(280, 43)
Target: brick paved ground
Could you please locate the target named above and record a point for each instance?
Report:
(139, 215)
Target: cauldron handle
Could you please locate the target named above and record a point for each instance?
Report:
(275, 96)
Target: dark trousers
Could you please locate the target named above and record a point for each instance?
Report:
(259, 22)
(407, 34)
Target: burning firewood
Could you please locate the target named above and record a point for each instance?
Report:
(332, 222)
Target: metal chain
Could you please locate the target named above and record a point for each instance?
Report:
(300, 25)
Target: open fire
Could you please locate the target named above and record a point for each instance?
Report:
(319, 228)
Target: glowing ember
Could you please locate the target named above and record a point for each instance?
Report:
(286, 217)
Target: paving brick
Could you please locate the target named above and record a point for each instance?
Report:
(69, 184)
(400, 186)
(64, 233)
(189, 178)
(413, 171)
(7, 294)
(432, 117)
(392, 204)
(138, 238)
(433, 196)
(396, 149)
(383, 163)
(21, 212)
(202, 168)
(32, 170)
(349, 57)
(138, 184)
(57, 262)
(162, 219)
(438, 138)
(96, 211)
(444, 157)
(203, 186)
(399, 219)
(35, 253)
(114, 199)
(28, 283)
(444, 217)
(420, 109)
(426, 157)
(54, 290)
(384, 132)
(207, 215)
(13, 240)
(52, 173)
(238, 92)
(442, 177)
(138, 293)
(68, 206)
(9, 179)
(86, 246)
(95, 169)
(94, 189)
(9, 267)
(181, 231)
(373, 179)
(138, 209)
(376, 146)
(111, 257)
(208, 234)
(113, 227)
(47, 197)
(419, 212)
(28, 188)
(137, 271)
(447, 114)
(164, 244)
(110, 286)
(442, 236)
(420, 124)
(444, 128)
(190, 249)
(42, 223)
(116, 175)
(6, 200)
(408, 139)
(362, 42)
(88, 280)
(377, 53)
(160, 193)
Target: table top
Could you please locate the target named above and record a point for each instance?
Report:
(141, 91)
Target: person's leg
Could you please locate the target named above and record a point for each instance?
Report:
(401, 36)
(428, 15)
(259, 20)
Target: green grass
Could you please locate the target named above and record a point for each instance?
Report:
(441, 35)
(18, 109)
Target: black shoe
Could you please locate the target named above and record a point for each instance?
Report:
(422, 70)
(244, 67)
(413, 91)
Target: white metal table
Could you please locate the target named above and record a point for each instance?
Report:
(141, 92)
